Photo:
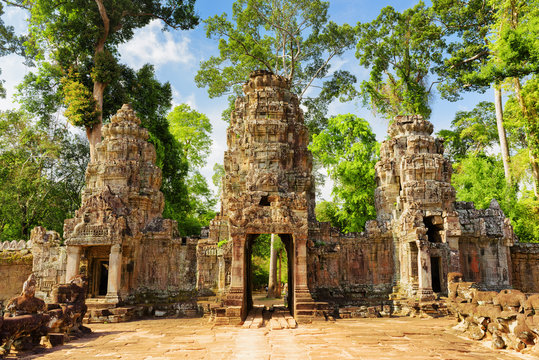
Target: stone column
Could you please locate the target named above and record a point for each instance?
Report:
(301, 264)
(73, 262)
(235, 299)
(222, 273)
(424, 273)
(303, 305)
(115, 273)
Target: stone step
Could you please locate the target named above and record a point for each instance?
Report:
(311, 305)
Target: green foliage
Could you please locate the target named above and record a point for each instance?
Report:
(41, 172)
(495, 40)
(328, 211)
(348, 149)
(471, 132)
(481, 178)
(530, 97)
(105, 68)
(260, 273)
(261, 251)
(192, 129)
(399, 49)
(294, 39)
(81, 106)
(514, 40)
(466, 25)
(222, 243)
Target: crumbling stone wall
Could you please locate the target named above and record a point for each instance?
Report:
(15, 266)
(525, 267)
(486, 237)
(350, 269)
(49, 264)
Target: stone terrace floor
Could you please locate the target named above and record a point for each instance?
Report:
(395, 338)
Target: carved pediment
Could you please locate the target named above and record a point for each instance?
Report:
(100, 220)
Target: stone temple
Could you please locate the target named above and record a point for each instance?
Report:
(134, 257)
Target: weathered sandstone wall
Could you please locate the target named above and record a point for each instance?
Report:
(525, 267)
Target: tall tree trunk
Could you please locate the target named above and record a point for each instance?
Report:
(94, 133)
(531, 146)
(94, 137)
(501, 133)
(273, 269)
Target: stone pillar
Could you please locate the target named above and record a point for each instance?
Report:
(301, 264)
(73, 262)
(115, 273)
(222, 273)
(303, 305)
(235, 299)
(424, 273)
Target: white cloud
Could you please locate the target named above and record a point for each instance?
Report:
(151, 45)
(178, 99)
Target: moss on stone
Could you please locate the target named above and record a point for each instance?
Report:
(16, 257)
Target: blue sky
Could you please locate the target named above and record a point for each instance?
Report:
(177, 55)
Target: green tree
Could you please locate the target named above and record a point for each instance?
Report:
(468, 25)
(400, 49)
(218, 173)
(81, 38)
(294, 39)
(348, 149)
(193, 132)
(41, 172)
(471, 132)
(328, 211)
(495, 41)
(481, 178)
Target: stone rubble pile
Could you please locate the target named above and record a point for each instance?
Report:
(509, 318)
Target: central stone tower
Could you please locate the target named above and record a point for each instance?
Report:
(267, 187)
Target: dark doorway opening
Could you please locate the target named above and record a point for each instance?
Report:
(433, 229)
(435, 274)
(103, 278)
(255, 280)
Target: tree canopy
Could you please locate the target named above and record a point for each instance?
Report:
(348, 149)
(400, 50)
(80, 38)
(294, 39)
(41, 172)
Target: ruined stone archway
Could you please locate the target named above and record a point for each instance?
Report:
(267, 187)
(287, 240)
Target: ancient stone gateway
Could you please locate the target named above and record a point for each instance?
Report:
(268, 188)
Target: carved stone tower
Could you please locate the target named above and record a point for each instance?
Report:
(415, 196)
(121, 209)
(267, 187)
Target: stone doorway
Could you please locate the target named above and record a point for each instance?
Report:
(98, 277)
(249, 271)
(103, 276)
(268, 188)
